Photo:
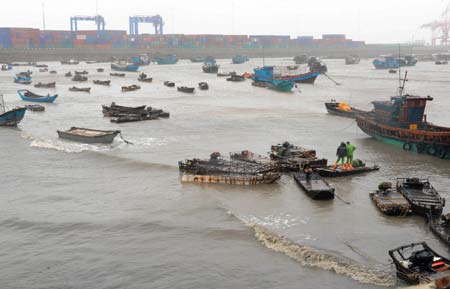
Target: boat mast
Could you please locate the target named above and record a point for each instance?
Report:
(43, 15)
(2, 104)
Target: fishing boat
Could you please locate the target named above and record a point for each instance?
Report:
(10, 117)
(45, 85)
(315, 64)
(141, 60)
(440, 226)
(114, 109)
(24, 74)
(132, 87)
(22, 80)
(124, 66)
(389, 201)
(203, 86)
(70, 62)
(210, 67)
(239, 59)
(143, 78)
(236, 78)
(443, 62)
(117, 74)
(68, 74)
(186, 89)
(239, 179)
(402, 122)
(360, 168)
(417, 263)
(79, 78)
(165, 60)
(342, 109)
(35, 107)
(314, 186)
(84, 72)
(392, 71)
(53, 72)
(290, 73)
(43, 70)
(389, 62)
(352, 59)
(100, 70)
(169, 83)
(226, 74)
(197, 59)
(294, 158)
(86, 135)
(424, 199)
(103, 82)
(6, 67)
(80, 89)
(281, 85)
(30, 96)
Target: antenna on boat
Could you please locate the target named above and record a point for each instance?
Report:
(400, 87)
(43, 15)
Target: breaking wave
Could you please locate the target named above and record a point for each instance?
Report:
(68, 147)
(308, 256)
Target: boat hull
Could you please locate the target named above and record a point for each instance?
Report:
(104, 139)
(128, 68)
(12, 117)
(391, 203)
(238, 179)
(315, 187)
(332, 108)
(42, 99)
(329, 172)
(283, 86)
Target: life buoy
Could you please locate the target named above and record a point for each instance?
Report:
(407, 146)
(420, 146)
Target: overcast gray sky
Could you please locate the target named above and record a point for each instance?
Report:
(376, 21)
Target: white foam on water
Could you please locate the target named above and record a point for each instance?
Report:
(66, 146)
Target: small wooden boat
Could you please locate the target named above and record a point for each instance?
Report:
(424, 199)
(169, 83)
(22, 80)
(35, 107)
(130, 88)
(143, 78)
(53, 72)
(70, 62)
(84, 72)
(390, 202)
(210, 67)
(441, 62)
(236, 78)
(79, 78)
(24, 74)
(117, 74)
(10, 117)
(392, 71)
(342, 109)
(103, 82)
(125, 67)
(238, 179)
(68, 74)
(203, 86)
(239, 59)
(115, 110)
(45, 85)
(197, 59)
(330, 172)
(100, 70)
(226, 74)
(80, 89)
(417, 263)
(40, 65)
(440, 226)
(314, 186)
(186, 89)
(27, 95)
(86, 135)
(43, 70)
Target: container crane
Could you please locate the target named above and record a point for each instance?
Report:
(156, 20)
(440, 29)
(98, 19)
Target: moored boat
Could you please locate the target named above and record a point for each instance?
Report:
(314, 186)
(100, 70)
(22, 80)
(169, 83)
(417, 263)
(45, 85)
(80, 89)
(186, 89)
(291, 73)
(342, 109)
(440, 226)
(117, 74)
(27, 95)
(236, 78)
(389, 62)
(125, 66)
(114, 109)
(86, 135)
(11, 117)
(203, 86)
(389, 201)
(165, 60)
(103, 82)
(281, 85)
(79, 78)
(143, 78)
(330, 172)
(197, 59)
(35, 107)
(70, 62)
(68, 74)
(6, 67)
(424, 199)
(239, 59)
(209, 67)
(239, 179)
(84, 72)
(132, 87)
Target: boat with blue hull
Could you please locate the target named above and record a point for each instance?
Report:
(33, 97)
(141, 60)
(390, 62)
(166, 60)
(133, 67)
(239, 59)
(402, 122)
(281, 85)
(291, 73)
(11, 117)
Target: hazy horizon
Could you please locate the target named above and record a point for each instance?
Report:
(375, 22)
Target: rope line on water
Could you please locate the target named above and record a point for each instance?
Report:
(127, 142)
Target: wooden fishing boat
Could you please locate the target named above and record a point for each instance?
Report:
(79, 78)
(45, 85)
(22, 80)
(392, 71)
(294, 158)
(53, 72)
(100, 70)
(342, 109)
(330, 172)
(440, 226)
(24, 74)
(40, 65)
(125, 67)
(30, 96)
(116, 110)
(280, 85)
(390, 202)
(210, 67)
(84, 72)
(417, 263)
(287, 149)
(226, 74)
(186, 89)
(314, 186)
(35, 107)
(68, 74)
(80, 89)
(143, 78)
(288, 73)
(10, 117)
(238, 179)
(203, 86)
(117, 74)
(86, 135)
(132, 87)
(250, 157)
(43, 70)
(236, 78)
(424, 199)
(169, 83)
(103, 82)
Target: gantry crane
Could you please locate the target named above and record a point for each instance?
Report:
(156, 20)
(99, 21)
(440, 29)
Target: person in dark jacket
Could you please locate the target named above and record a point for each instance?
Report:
(341, 153)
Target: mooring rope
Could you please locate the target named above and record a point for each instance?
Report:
(127, 142)
(334, 81)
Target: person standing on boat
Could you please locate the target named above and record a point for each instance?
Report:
(341, 153)
(350, 150)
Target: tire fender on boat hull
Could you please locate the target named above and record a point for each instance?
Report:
(407, 146)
